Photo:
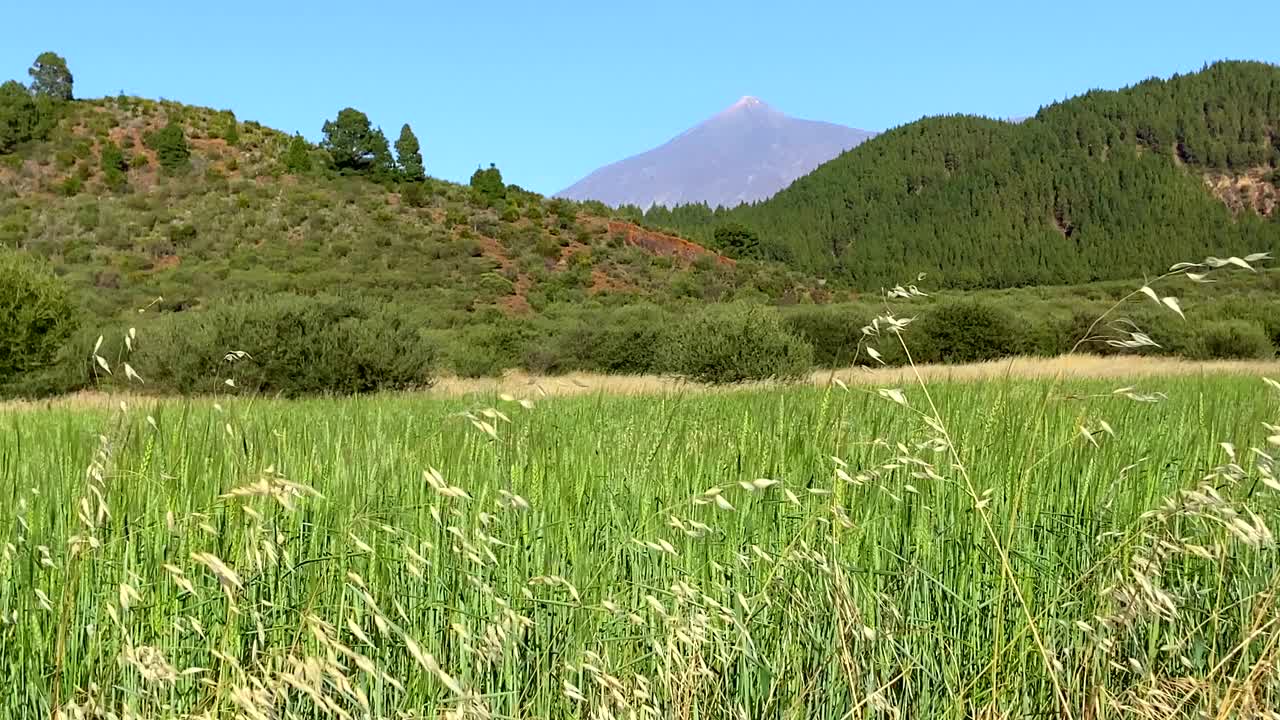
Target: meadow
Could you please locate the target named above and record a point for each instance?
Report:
(1015, 548)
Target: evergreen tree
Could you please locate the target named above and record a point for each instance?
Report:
(18, 116)
(114, 167)
(355, 145)
(737, 241)
(383, 166)
(297, 159)
(170, 144)
(50, 77)
(409, 155)
(487, 183)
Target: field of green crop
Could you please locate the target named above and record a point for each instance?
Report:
(1028, 549)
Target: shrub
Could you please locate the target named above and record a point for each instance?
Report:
(295, 346)
(113, 166)
(1234, 340)
(831, 332)
(625, 342)
(415, 194)
(735, 343)
(70, 187)
(966, 331)
(36, 315)
(489, 350)
(171, 148)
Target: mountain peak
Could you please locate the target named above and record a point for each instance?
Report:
(744, 153)
(750, 105)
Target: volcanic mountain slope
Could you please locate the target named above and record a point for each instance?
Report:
(746, 153)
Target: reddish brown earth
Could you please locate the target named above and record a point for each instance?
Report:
(663, 244)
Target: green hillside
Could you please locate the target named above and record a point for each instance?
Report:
(233, 219)
(1103, 186)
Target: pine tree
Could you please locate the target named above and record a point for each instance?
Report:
(354, 144)
(297, 159)
(170, 144)
(50, 76)
(409, 155)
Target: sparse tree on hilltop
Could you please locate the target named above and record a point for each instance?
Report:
(488, 183)
(50, 76)
(355, 144)
(409, 155)
(383, 166)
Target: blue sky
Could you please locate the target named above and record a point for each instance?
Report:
(550, 90)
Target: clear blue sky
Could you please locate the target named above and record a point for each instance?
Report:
(550, 90)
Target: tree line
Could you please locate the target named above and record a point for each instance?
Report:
(1102, 186)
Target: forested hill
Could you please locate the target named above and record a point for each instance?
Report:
(1106, 185)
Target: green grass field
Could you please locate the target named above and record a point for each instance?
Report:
(626, 557)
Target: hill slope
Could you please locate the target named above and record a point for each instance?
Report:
(1106, 185)
(746, 153)
(234, 222)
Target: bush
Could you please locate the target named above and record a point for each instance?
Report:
(295, 346)
(489, 350)
(1234, 340)
(114, 167)
(831, 332)
(625, 342)
(735, 343)
(171, 148)
(36, 315)
(415, 194)
(967, 331)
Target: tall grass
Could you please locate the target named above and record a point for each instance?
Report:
(1017, 549)
(629, 557)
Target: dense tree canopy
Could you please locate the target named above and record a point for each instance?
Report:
(355, 144)
(50, 77)
(18, 115)
(1106, 185)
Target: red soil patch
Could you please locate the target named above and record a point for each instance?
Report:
(602, 281)
(517, 302)
(663, 244)
(166, 263)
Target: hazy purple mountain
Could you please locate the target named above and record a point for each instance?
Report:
(747, 152)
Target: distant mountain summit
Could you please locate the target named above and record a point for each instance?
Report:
(745, 153)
